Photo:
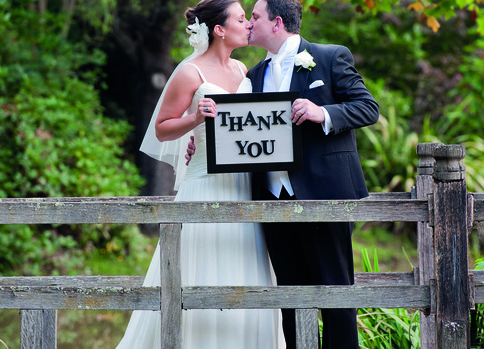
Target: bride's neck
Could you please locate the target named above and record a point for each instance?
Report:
(218, 55)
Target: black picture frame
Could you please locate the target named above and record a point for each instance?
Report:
(287, 137)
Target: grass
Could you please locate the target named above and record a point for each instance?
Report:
(386, 328)
(396, 252)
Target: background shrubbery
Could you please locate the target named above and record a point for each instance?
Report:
(55, 141)
(59, 138)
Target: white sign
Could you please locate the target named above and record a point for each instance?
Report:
(253, 132)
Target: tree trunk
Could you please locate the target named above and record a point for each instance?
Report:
(139, 63)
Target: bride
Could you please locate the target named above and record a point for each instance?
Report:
(222, 254)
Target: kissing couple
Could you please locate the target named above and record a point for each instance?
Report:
(334, 103)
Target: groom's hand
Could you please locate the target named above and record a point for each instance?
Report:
(304, 109)
(190, 150)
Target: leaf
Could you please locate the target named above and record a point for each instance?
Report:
(359, 9)
(377, 267)
(416, 6)
(314, 9)
(433, 23)
(370, 4)
(406, 256)
(366, 261)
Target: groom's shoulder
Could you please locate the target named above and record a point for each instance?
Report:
(327, 48)
(255, 68)
(329, 51)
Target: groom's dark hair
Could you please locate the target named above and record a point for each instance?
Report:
(289, 10)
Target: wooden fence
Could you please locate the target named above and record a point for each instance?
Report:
(442, 287)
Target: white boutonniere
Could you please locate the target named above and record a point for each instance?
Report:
(304, 60)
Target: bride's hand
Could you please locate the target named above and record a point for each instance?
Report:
(206, 108)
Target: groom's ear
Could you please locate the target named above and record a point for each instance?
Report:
(278, 24)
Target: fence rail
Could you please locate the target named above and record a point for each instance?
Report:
(439, 203)
(161, 210)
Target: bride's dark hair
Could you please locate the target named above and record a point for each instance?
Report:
(210, 12)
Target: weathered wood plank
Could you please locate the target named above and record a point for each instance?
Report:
(450, 251)
(478, 275)
(307, 329)
(306, 297)
(479, 298)
(377, 196)
(10, 286)
(384, 279)
(80, 298)
(170, 290)
(148, 298)
(31, 329)
(478, 196)
(49, 340)
(124, 281)
(478, 209)
(425, 244)
(129, 281)
(389, 196)
(38, 329)
(149, 211)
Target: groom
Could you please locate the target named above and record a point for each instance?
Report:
(333, 103)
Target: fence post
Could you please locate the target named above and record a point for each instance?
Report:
(307, 329)
(171, 297)
(423, 184)
(38, 329)
(450, 251)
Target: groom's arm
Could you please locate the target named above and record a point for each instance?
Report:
(342, 102)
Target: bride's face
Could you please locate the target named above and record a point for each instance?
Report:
(237, 27)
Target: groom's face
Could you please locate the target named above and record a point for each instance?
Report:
(261, 28)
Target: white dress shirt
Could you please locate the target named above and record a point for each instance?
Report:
(277, 179)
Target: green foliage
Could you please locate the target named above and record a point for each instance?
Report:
(387, 148)
(386, 328)
(480, 264)
(387, 47)
(54, 140)
(477, 318)
(396, 251)
(433, 12)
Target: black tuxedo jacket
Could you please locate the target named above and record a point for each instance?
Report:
(331, 166)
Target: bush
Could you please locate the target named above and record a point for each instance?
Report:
(54, 140)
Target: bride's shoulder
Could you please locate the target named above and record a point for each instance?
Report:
(188, 72)
(240, 65)
(187, 75)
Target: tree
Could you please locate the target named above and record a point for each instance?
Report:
(139, 63)
(54, 139)
(432, 12)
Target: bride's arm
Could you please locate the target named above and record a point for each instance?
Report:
(169, 124)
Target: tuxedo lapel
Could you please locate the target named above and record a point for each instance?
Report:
(258, 77)
(299, 81)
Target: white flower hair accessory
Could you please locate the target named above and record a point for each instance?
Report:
(304, 60)
(198, 36)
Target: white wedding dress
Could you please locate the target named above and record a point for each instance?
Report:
(221, 254)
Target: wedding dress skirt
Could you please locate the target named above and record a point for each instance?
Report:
(214, 254)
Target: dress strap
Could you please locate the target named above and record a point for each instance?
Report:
(240, 68)
(199, 71)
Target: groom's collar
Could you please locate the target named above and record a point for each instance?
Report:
(291, 43)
